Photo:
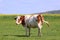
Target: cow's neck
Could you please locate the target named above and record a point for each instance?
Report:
(23, 21)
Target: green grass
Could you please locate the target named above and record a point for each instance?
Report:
(10, 31)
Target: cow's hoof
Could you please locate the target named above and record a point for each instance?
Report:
(27, 35)
(40, 35)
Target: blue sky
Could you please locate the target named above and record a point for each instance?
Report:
(28, 6)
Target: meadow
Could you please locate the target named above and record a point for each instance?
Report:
(10, 31)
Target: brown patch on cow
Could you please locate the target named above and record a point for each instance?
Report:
(23, 21)
(22, 18)
(40, 18)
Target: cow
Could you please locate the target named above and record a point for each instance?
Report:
(31, 21)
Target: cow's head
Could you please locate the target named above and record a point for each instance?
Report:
(19, 19)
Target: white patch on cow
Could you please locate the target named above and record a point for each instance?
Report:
(31, 21)
(20, 22)
(18, 17)
(39, 25)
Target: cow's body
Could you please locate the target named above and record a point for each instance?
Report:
(31, 21)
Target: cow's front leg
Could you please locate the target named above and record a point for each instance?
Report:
(27, 31)
(39, 29)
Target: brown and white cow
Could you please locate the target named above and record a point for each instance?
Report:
(31, 21)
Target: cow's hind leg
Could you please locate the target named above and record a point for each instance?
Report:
(39, 30)
(28, 31)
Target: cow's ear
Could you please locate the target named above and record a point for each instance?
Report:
(15, 18)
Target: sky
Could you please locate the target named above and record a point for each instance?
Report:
(28, 6)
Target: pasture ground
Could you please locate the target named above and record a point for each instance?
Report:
(10, 31)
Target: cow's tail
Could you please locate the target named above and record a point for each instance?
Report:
(42, 20)
(46, 22)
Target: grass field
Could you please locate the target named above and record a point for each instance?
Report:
(10, 31)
